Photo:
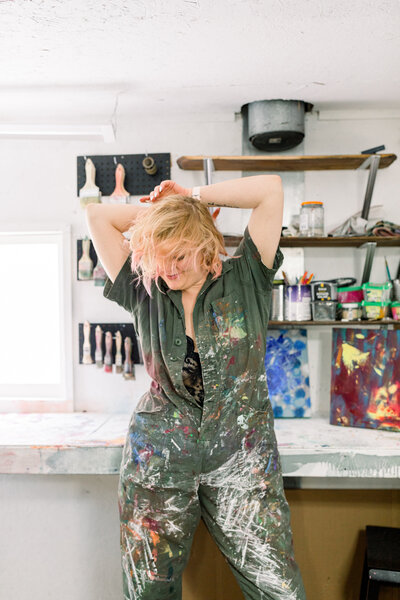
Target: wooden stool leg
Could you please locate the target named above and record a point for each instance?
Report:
(364, 580)
(373, 590)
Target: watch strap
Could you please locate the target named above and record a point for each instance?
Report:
(196, 192)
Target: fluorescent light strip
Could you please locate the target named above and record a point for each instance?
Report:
(90, 131)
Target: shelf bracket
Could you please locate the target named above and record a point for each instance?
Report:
(369, 257)
(373, 163)
(208, 166)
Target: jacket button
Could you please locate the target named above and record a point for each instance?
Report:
(173, 358)
(178, 341)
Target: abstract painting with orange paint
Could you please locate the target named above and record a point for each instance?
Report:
(365, 382)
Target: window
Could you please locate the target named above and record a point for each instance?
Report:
(35, 321)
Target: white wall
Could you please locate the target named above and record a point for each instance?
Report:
(59, 538)
(39, 186)
(60, 534)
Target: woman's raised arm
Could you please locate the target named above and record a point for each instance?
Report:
(262, 193)
(106, 224)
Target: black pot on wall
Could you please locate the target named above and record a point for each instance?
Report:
(275, 125)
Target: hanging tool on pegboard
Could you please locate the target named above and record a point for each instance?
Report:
(142, 171)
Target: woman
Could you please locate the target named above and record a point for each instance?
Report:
(201, 441)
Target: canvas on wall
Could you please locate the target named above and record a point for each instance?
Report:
(286, 366)
(365, 381)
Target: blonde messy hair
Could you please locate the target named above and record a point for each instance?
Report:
(174, 225)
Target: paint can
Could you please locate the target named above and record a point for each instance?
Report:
(298, 302)
(278, 302)
(324, 291)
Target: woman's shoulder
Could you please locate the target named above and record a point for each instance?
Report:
(248, 267)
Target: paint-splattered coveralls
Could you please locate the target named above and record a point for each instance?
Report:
(220, 462)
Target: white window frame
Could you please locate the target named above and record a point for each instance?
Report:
(45, 400)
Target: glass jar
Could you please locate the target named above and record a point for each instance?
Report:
(312, 219)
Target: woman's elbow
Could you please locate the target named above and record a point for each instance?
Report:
(273, 182)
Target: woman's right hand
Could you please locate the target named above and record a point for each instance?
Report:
(169, 187)
(166, 188)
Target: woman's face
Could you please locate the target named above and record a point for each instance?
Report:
(184, 275)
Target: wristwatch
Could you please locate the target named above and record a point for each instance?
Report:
(196, 192)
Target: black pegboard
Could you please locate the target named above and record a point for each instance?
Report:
(137, 181)
(126, 330)
(92, 254)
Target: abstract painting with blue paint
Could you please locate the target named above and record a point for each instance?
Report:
(286, 366)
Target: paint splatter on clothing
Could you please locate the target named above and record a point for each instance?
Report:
(191, 372)
(219, 461)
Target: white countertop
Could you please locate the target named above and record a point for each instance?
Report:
(91, 443)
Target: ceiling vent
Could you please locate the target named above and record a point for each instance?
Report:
(274, 125)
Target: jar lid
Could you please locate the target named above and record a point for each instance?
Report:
(312, 202)
(350, 305)
(377, 286)
(366, 303)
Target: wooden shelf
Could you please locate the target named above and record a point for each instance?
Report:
(333, 323)
(345, 241)
(283, 163)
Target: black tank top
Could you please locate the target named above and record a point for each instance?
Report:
(191, 373)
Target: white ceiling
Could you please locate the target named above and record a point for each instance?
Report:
(95, 59)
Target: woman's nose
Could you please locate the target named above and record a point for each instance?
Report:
(168, 268)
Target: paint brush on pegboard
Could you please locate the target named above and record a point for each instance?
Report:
(86, 350)
(98, 355)
(129, 366)
(90, 193)
(108, 358)
(120, 195)
(118, 353)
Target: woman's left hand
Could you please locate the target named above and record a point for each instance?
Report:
(166, 188)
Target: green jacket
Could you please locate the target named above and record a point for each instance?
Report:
(230, 321)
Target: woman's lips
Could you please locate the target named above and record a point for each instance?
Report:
(173, 276)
